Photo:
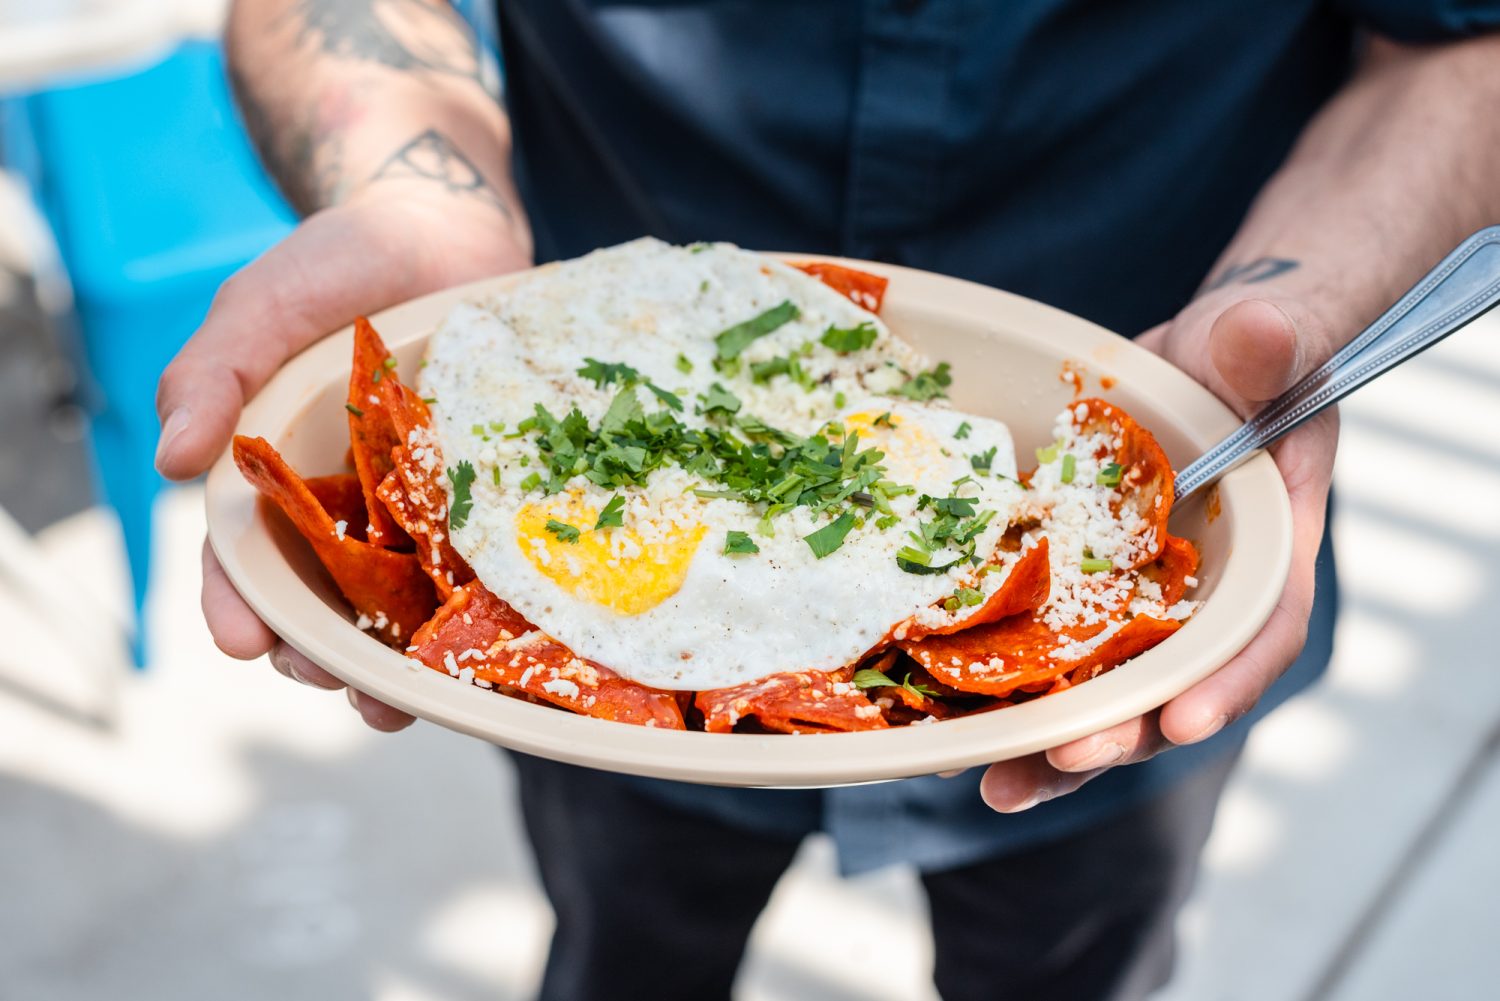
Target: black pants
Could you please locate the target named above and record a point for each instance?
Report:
(657, 903)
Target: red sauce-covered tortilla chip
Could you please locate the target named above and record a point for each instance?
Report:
(414, 492)
(387, 587)
(343, 498)
(420, 507)
(372, 435)
(860, 287)
(1022, 653)
(793, 702)
(1146, 474)
(1177, 562)
(476, 630)
(1024, 588)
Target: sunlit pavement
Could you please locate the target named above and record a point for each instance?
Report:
(234, 835)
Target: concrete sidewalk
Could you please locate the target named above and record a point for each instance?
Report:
(234, 835)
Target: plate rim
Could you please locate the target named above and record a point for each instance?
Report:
(315, 630)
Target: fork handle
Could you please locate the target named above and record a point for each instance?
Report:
(1463, 287)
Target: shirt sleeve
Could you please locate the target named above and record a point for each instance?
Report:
(1418, 21)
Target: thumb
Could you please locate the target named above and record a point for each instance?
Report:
(1260, 348)
(311, 283)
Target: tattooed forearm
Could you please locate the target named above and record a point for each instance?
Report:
(404, 35)
(305, 162)
(431, 156)
(1259, 270)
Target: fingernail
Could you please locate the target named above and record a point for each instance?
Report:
(171, 428)
(1213, 727)
(1036, 798)
(291, 665)
(1109, 753)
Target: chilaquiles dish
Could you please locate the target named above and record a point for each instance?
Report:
(692, 488)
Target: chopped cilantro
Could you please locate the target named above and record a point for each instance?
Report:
(563, 531)
(739, 542)
(846, 340)
(884, 421)
(718, 399)
(962, 431)
(683, 365)
(730, 343)
(828, 538)
(670, 399)
(871, 678)
(1110, 475)
(613, 514)
(927, 385)
(608, 373)
(983, 460)
(462, 478)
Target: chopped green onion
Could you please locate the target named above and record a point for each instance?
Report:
(730, 343)
(963, 430)
(495, 475)
(839, 399)
(1048, 454)
(354, 410)
(1092, 565)
(1068, 465)
(389, 363)
(739, 543)
(532, 481)
(683, 365)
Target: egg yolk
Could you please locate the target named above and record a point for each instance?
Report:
(909, 449)
(613, 567)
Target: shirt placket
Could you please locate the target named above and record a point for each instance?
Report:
(908, 50)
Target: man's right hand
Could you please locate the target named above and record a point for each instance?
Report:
(377, 249)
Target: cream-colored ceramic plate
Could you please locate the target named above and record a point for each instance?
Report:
(1008, 356)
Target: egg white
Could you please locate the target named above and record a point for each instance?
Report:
(728, 618)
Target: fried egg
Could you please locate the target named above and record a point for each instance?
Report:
(667, 574)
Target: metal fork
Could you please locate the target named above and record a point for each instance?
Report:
(1459, 290)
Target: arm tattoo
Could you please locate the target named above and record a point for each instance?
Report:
(1259, 270)
(306, 162)
(432, 156)
(369, 30)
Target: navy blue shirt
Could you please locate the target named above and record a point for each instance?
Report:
(1093, 154)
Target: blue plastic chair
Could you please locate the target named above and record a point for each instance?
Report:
(155, 197)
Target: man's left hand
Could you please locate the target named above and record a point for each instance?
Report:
(1247, 351)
